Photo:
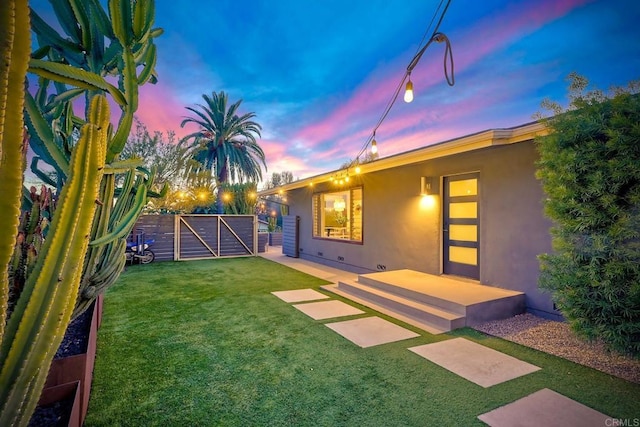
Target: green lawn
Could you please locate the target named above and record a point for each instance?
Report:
(204, 343)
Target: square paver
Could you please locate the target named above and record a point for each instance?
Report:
(299, 295)
(545, 408)
(474, 362)
(370, 331)
(327, 309)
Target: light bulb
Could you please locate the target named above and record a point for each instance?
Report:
(408, 93)
(374, 146)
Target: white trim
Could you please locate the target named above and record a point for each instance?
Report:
(488, 138)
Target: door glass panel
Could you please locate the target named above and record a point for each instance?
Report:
(463, 255)
(465, 187)
(463, 210)
(468, 233)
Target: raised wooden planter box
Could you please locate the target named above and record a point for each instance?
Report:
(51, 395)
(78, 367)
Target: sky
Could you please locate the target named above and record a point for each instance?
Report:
(320, 74)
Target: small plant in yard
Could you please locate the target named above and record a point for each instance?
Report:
(590, 171)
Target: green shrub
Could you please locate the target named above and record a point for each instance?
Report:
(590, 171)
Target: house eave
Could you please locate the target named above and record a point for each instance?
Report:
(477, 141)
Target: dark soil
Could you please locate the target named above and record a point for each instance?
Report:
(55, 414)
(77, 336)
(75, 341)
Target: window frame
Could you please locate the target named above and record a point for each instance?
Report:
(354, 205)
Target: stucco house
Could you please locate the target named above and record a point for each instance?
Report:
(469, 208)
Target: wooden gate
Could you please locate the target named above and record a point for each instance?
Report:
(215, 236)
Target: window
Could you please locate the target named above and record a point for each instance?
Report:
(338, 215)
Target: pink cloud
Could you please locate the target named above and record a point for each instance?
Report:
(370, 99)
(160, 109)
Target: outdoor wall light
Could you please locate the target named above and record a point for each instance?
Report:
(425, 186)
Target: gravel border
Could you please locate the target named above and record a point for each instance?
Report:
(556, 338)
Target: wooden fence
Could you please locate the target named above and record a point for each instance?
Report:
(190, 237)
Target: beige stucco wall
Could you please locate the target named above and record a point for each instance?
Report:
(401, 233)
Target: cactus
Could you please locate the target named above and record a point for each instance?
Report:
(80, 59)
(33, 228)
(14, 58)
(84, 154)
(43, 311)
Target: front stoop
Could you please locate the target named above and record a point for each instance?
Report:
(436, 304)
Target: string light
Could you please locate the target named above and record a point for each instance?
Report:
(408, 96)
(408, 93)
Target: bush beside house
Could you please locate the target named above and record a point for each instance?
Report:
(590, 170)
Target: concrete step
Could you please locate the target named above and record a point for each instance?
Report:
(427, 317)
(392, 286)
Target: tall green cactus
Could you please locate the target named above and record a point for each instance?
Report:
(79, 59)
(14, 58)
(43, 311)
(84, 154)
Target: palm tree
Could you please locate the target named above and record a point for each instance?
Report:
(226, 142)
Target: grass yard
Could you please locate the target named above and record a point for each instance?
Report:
(204, 343)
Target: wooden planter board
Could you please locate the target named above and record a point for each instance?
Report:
(63, 391)
(78, 367)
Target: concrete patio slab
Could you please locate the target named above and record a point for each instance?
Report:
(371, 331)
(327, 309)
(474, 362)
(299, 295)
(545, 408)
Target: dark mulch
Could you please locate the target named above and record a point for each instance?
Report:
(75, 341)
(77, 336)
(55, 414)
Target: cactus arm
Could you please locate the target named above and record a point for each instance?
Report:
(14, 58)
(66, 96)
(149, 60)
(67, 20)
(44, 309)
(124, 226)
(121, 17)
(39, 127)
(39, 174)
(101, 222)
(101, 19)
(122, 166)
(74, 76)
(47, 36)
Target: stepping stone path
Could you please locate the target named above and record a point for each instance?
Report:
(370, 331)
(546, 408)
(299, 295)
(474, 362)
(327, 309)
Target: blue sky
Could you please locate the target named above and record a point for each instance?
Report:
(318, 74)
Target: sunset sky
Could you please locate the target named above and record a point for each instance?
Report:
(319, 74)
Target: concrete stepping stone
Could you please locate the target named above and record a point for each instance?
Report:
(327, 309)
(546, 408)
(474, 362)
(299, 295)
(371, 331)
